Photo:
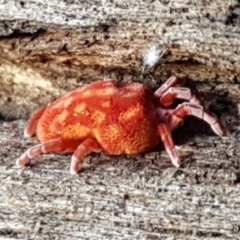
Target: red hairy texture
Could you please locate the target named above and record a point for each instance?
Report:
(121, 116)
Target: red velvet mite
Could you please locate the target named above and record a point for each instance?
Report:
(114, 117)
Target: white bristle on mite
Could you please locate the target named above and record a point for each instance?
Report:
(152, 56)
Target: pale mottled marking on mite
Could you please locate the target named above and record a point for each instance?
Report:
(52, 128)
(114, 131)
(106, 104)
(80, 108)
(87, 93)
(58, 132)
(76, 131)
(131, 113)
(98, 116)
(85, 113)
(62, 116)
(109, 91)
(59, 119)
(106, 91)
(111, 133)
(67, 102)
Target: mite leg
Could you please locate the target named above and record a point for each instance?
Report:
(171, 82)
(50, 146)
(198, 111)
(86, 147)
(32, 122)
(166, 137)
(173, 93)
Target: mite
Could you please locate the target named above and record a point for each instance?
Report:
(113, 117)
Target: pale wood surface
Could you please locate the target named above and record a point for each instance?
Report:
(50, 47)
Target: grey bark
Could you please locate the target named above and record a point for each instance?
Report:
(50, 47)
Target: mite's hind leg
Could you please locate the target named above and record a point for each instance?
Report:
(86, 147)
(54, 145)
(32, 122)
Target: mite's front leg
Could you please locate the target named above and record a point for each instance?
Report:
(166, 137)
(198, 111)
(171, 82)
(173, 93)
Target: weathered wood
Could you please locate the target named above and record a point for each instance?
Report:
(132, 197)
(57, 45)
(50, 47)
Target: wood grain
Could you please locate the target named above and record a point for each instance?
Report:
(50, 47)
